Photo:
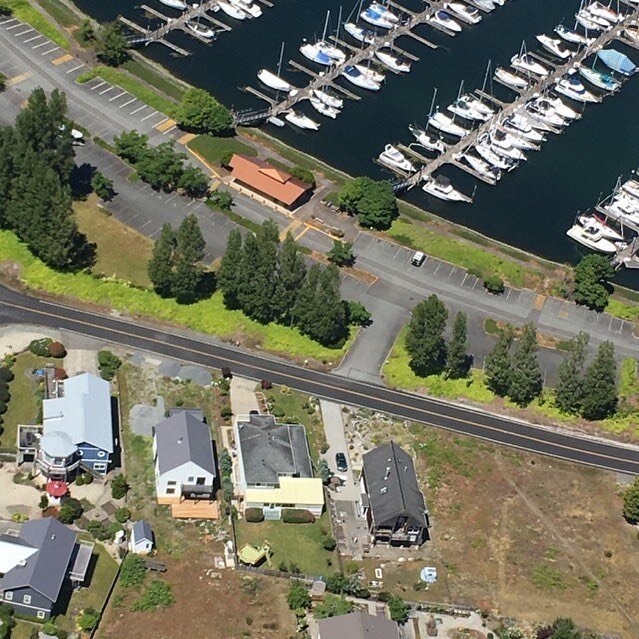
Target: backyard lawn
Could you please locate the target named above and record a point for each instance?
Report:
(214, 149)
(297, 544)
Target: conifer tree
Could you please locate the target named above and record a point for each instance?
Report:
(526, 382)
(600, 384)
(185, 281)
(305, 305)
(7, 168)
(229, 276)
(249, 295)
(457, 359)
(425, 338)
(161, 264)
(326, 323)
(291, 271)
(498, 365)
(569, 391)
(190, 242)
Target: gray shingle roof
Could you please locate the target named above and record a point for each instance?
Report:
(358, 625)
(183, 438)
(391, 485)
(269, 450)
(141, 530)
(46, 569)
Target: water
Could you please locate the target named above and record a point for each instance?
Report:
(530, 208)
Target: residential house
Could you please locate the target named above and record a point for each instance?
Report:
(77, 429)
(184, 459)
(394, 505)
(357, 625)
(37, 563)
(141, 540)
(274, 468)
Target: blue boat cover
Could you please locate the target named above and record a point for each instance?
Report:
(617, 61)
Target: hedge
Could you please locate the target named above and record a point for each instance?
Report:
(297, 516)
(254, 515)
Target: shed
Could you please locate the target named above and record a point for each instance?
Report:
(141, 542)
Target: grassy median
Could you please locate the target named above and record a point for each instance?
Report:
(22, 10)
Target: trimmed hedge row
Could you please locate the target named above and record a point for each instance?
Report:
(297, 516)
(254, 515)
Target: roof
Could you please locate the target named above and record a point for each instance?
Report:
(267, 179)
(141, 530)
(269, 450)
(391, 485)
(83, 413)
(181, 439)
(45, 569)
(292, 490)
(57, 444)
(358, 625)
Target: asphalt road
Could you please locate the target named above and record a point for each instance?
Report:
(18, 308)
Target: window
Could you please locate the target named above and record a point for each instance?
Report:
(170, 491)
(40, 614)
(200, 481)
(8, 596)
(171, 482)
(191, 480)
(26, 599)
(80, 453)
(101, 453)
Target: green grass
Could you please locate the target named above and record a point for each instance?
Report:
(214, 149)
(398, 374)
(133, 85)
(59, 12)
(628, 382)
(458, 252)
(121, 251)
(23, 630)
(208, 316)
(547, 578)
(235, 217)
(300, 544)
(620, 309)
(22, 10)
(162, 83)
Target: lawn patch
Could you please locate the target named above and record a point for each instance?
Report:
(548, 578)
(213, 149)
(22, 10)
(162, 83)
(620, 309)
(59, 12)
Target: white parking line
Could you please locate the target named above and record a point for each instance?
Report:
(138, 109)
(172, 197)
(98, 85)
(42, 44)
(35, 37)
(437, 269)
(17, 35)
(15, 26)
(9, 21)
(107, 90)
(465, 276)
(119, 95)
(145, 224)
(49, 51)
(169, 130)
(149, 116)
(161, 121)
(75, 69)
(127, 103)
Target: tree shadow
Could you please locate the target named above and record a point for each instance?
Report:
(80, 180)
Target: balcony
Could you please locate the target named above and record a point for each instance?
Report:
(198, 491)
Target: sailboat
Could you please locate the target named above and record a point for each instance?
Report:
(318, 52)
(429, 142)
(328, 48)
(572, 36)
(275, 81)
(608, 232)
(328, 99)
(554, 46)
(200, 29)
(300, 120)
(379, 18)
(599, 79)
(391, 61)
(373, 75)
(175, 4)
(232, 11)
(481, 166)
(360, 33)
(463, 12)
(444, 123)
(356, 77)
(248, 7)
(617, 61)
(524, 62)
(510, 79)
(324, 109)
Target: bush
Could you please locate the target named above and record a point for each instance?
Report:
(5, 395)
(254, 515)
(119, 487)
(133, 571)
(43, 503)
(79, 480)
(108, 364)
(158, 595)
(226, 158)
(298, 597)
(357, 314)
(113, 529)
(122, 515)
(3, 407)
(98, 530)
(329, 543)
(398, 609)
(266, 385)
(297, 516)
(40, 347)
(6, 374)
(88, 620)
(87, 478)
(57, 350)
(70, 510)
(226, 372)
(494, 284)
(226, 412)
(303, 174)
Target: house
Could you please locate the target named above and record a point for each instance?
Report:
(274, 468)
(141, 540)
(184, 459)
(394, 506)
(37, 563)
(269, 181)
(77, 429)
(357, 625)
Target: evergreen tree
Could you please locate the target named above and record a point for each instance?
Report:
(229, 276)
(341, 254)
(425, 338)
(498, 366)
(600, 384)
(131, 145)
(190, 242)
(7, 168)
(112, 49)
(526, 381)
(291, 271)
(246, 271)
(160, 267)
(327, 323)
(102, 186)
(185, 282)
(569, 391)
(457, 359)
(305, 303)
(194, 182)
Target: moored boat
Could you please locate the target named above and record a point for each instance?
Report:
(440, 187)
(328, 99)
(231, 11)
(572, 36)
(273, 81)
(359, 33)
(249, 8)
(175, 4)
(201, 30)
(302, 121)
(446, 124)
(392, 61)
(314, 53)
(394, 158)
(442, 19)
(510, 79)
(429, 142)
(599, 79)
(527, 64)
(463, 12)
(356, 77)
(555, 46)
(617, 61)
(573, 88)
(591, 237)
(324, 109)
(373, 75)
(608, 232)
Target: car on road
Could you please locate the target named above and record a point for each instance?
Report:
(340, 462)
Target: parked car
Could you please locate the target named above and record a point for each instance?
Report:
(340, 462)
(418, 259)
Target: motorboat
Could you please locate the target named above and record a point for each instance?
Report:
(248, 7)
(356, 77)
(529, 112)
(232, 11)
(591, 237)
(592, 22)
(617, 61)
(481, 166)
(485, 150)
(524, 62)
(315, 53)
(373, 75)
(626, 202)
(602, 11)
(522, 127)
(302, 121)
(478, 105)
(555, 46)
(444, 123)
(614, 210)
(377, 18)
(442, 19)
(429, 142)
(633, 34)
(501, 143)
(599, 79)
(391, 61)
(175, 4)
(464, 109)
(511, 79)
(274, 81)
(328, 99)
(333, 52)
(572, 36)
(463, 12)
(539, 111)
(324, 109)
(559, 107)
(202, 30)
(573, 88)
(393, 157)
(608, 232)
(499, 137)
(440, 187)
(360, 33)
(631, 187)
(384, 10)
(485, 5)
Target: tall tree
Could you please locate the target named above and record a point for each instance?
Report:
(229, 276)
(186, 281)
(194, 182)
(161, 166)
(457, 358)
(526, 381)
(600, 384)
(498, 365)
(112, 47)
(425, 341)
(199, 111)
(162, 262)
(372, 201)
(305, 304)
(569, 391)
(7, 168)
(131, 145)
(291, 271)
(249, 295)
(591, 281)
(190, 242)
(327, 323)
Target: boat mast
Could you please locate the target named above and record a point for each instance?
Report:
(328, 15)
(339, 22)
(432, 104)
(279, 64)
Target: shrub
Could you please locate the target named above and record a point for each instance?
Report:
(79, 480)
(266, 384)
(98, 530)
(108, 364)
(44, 502)
(87, 478)
(226, 412)
(254, 515)
(122, 515)
(297, 516)
(114, 528)
(225, 160)
(5, 396)
(398, 609)
(119, 487)
(70, 510)
(3, 407)
(329, 543)
(494, 284)
(57, 350)
(298, 597)
(40, 347)
(158, 595)
(303, 174)
(133, 571)
(226, 372)
(88, 620)
(6, 374)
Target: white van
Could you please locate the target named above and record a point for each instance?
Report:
(418, 258)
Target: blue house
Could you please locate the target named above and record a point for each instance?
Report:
(77, 429)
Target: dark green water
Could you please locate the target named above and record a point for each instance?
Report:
(530, 208)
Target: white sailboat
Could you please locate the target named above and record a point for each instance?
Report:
(371, 74)
(464, 108)
(485, 150)
(275, 81)
(572, 36)
(426, 140)
(523, 62)
(555, 46)
(510, 79)
(359, 33)
(302, 121)
(481, 166)
(356, 77)
(444, 123)
(314, 53)
(328, 99)
(175, 4)
(391, 61)
(324, 109)
(379, 18)
(602, 11)
(249, 8)
(513, 139)
(440, 187)
(502, 145)
(231, 11)
(394, 158)
(201, 30)
(521, 126)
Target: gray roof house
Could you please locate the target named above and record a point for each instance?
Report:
(357, 625)
(141, 540)
(184, 458)
(37, 562)
(393, 503)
